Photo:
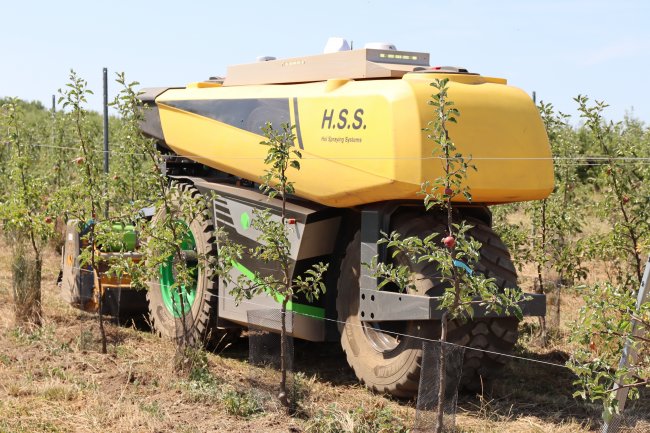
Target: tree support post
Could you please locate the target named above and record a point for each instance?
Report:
(628, 357)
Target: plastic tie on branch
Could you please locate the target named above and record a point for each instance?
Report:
(463, 266)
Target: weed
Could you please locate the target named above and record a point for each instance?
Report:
(29, 337)
(60, 393)
(242, 404)
(20, 426)
(57, 373)
(203, 394)
(487, 410)
(300, 393)
(330, 420)
(202, 385)
(121, 351)
(376, 419)
(529, 337)
(18, 390)
(192, 360)
(44, 337)
(85, 341)
(198, 359)
(152, 409)
(56, 348)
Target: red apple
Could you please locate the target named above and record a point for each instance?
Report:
(626, 199)
(79, 160)
(449, 192)
(449, 241)
(48, 220)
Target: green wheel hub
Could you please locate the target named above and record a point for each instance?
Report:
(179, 299)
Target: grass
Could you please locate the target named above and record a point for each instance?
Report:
(152, 409)
(244, 404)
(362, 419)
(55, 380)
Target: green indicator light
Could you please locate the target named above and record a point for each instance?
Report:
(245, 220)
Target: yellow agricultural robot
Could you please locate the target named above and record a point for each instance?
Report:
(359, 117)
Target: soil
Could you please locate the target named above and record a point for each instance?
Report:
(55, 380)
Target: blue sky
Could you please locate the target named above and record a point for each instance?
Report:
(556, 48)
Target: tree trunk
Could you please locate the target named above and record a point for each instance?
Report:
(283, 397)
(100, 294)
(442, 376)
(540, 278)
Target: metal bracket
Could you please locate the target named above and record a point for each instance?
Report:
(375, 218)
(378, 306)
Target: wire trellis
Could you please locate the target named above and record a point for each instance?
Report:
(584, 160)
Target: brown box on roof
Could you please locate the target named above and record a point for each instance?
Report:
(357, 64)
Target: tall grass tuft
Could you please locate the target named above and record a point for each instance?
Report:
(26, 284)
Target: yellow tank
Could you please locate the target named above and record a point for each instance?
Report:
(359, 121)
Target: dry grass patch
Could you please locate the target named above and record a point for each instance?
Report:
(55, 380)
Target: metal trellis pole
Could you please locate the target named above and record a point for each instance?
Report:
(105, 76)
(629, 355)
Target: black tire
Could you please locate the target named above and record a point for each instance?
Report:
(390, 363)
(199, 321)
(493, 336)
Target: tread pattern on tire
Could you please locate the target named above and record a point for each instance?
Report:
(203, 316)
(496, 335)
